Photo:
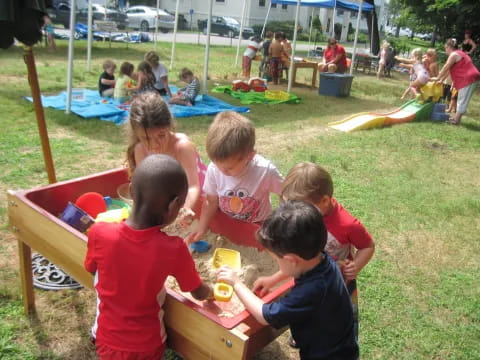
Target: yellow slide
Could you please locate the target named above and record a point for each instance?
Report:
(359, 122)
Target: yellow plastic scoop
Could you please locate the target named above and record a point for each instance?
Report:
(221, 257)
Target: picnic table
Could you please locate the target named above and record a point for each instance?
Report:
(305, 64)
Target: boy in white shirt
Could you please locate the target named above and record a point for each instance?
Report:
(238, 182)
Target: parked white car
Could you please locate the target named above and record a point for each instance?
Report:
(143, 18)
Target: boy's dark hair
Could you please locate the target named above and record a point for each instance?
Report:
(126, 68)
(269, 34)
(158, 180)
(230, 134)
(294, 227)
(278, 35)
(184, 73)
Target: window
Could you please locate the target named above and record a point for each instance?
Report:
(220, 1)
(274, 6)
(261, 3)
(339, 12)
(284, 7)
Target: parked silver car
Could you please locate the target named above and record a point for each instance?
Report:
(143, 18)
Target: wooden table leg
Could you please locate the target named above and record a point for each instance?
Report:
(25, 255)
(314, 78)
(294, 75)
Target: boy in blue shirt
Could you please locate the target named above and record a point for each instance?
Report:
(318, 308)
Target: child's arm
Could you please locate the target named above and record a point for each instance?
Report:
(164, 81)
(187, 157)
(434, 69)
(353, 267)
(263, 284)
(140, 80)
(107, 81)
(203, 292)
(405, 60)
(209, 209)
(247, 297)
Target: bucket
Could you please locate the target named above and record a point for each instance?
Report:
(76, 218)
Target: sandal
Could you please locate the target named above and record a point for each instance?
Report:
(292, 343)
(452, 121)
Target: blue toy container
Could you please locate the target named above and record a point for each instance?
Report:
(77, 218)
(333, 84)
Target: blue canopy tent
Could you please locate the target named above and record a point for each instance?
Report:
(331, 4)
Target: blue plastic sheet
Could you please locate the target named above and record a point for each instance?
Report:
(95, 106)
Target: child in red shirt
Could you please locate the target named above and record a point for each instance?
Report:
(348, 242)
(131, 261)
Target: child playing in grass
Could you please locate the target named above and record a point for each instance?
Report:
(383, 59)
(349, 243)
(120, 91)
(418, 73)
(186, 96)
(249, 54)
(131, 261)
(275, 53)
(106, 81)
(238, 182)
(430, 62)
(145, 79)
(152, 131)
(317, 309)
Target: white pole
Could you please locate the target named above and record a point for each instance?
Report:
(311, 25)
(177, 5)
(333, 18)
(156, 27)
(371, 36)
(207, 47)
(359, 15)
(266, 18)
(241, 31)
(290, 71)
(70, 57)
(90, 35)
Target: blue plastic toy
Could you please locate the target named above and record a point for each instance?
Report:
(200, 246)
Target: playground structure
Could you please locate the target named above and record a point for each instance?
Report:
(418, 109)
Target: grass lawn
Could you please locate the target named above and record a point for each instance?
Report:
(416, 187)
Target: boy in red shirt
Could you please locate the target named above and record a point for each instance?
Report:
(131, 261)
(348, 242)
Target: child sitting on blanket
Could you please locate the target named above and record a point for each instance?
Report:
(145, 79)
(106, 81)
(238, 182)
(131, 261)
(186, 96)
(121, 86)
(151, 130)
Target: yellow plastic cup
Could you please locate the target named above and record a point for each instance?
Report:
(221, 257)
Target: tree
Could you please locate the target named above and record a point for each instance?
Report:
(373, 27)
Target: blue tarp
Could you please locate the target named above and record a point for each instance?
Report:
(339, 4)
(110, 110)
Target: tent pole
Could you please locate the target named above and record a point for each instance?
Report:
(290, 71)
(70, 57)
(310, 34)
(266, 18)
(359, 15)
(207, 47)
(241, 31)
(90, 36)
(333, 18)
(156, 27)
(177, 5)
(40, 115)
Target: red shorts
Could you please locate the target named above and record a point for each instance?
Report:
(106, 353)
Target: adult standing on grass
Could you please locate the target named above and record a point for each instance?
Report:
(160, 71)
(334, 58)
(468, 44)
(465, 77)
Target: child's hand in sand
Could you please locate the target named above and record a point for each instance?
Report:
(263, 285)
(195, 235)
(349, 270)
(185, 217)
(227, 275)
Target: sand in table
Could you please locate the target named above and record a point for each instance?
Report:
(254, 264)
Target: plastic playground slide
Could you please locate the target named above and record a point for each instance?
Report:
(410, 111)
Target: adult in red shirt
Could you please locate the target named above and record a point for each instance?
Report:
(465, 77)
(334, 58)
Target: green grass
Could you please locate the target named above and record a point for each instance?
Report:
(414, 186)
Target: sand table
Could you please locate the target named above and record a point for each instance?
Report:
(254, 264)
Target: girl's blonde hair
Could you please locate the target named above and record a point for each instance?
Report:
(431, 52)
(385, 44)
(148, 111)
(417, 54)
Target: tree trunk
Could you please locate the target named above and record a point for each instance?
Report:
(376, 36)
